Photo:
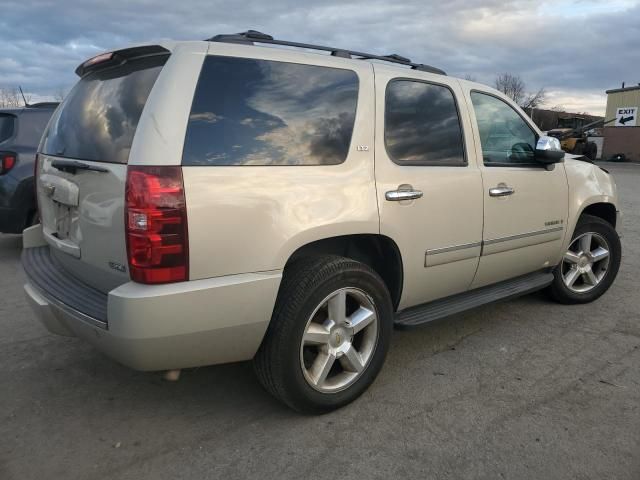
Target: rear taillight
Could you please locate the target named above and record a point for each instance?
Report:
(7, 162)
(156, 225)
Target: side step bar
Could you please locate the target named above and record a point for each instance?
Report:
(461, 302)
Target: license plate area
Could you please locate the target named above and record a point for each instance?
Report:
(63, 218)
(59, 212)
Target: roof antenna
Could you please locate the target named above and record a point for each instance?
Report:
(24, 99)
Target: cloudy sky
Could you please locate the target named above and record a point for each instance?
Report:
(575, 49)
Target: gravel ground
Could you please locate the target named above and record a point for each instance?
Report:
(521, 389)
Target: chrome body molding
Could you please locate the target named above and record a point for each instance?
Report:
(454, 253)
(522, 235)
(435, 251)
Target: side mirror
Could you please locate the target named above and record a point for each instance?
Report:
(549, 150)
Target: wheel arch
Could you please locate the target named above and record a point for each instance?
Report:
(377, 251)
(605, 210)
(598, 206)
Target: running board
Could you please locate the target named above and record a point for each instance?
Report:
(462, 302)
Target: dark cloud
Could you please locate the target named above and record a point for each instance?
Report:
(575, 49)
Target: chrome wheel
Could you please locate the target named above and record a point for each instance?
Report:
(339, 340)
(585, 263)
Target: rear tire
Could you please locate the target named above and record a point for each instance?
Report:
(590, 265)
(329, 334)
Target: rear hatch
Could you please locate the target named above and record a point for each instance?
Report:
(82, 166)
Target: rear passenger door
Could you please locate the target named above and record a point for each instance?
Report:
(428, 186)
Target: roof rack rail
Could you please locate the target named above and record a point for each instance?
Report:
(250, 37)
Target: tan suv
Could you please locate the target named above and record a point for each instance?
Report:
(217, 201)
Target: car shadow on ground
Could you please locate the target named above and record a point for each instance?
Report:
(232, 389)
(72, 366)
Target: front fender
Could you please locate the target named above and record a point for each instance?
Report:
(588, 185)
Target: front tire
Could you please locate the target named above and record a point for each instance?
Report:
(590, 265)
(329, 334)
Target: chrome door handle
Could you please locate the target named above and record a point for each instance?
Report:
(501, 191)
(399, 195)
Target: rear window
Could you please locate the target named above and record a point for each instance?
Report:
(98, 119)
(7, 126)
(259, 112)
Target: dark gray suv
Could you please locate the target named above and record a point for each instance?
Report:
(20, 132)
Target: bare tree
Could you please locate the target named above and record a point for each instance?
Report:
(470, 77)
(512, 86)
(534, 100)
(11, 97)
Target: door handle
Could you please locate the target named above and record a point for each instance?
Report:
(399, 195)
(501, 191)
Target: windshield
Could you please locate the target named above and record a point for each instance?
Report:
(98, 119)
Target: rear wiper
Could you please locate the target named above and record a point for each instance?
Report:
(73, 166)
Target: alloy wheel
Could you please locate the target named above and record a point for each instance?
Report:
(339, 340)
(585, 263)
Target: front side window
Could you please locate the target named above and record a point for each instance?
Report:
(260, 112)
(505, 137)
(7, 123)
(422, 126)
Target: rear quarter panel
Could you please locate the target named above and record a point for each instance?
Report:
(252, 218)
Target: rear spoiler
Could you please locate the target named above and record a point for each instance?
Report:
(119, 57)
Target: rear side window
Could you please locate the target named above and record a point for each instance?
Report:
(422, 126)
(7, 126)
(99, 117)
(259, 112)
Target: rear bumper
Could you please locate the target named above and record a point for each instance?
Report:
(160, 327)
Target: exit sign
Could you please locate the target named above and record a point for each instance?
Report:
(626, 116)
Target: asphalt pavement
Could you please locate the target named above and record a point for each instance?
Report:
(525, 389)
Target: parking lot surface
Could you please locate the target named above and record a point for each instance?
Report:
(521, 389)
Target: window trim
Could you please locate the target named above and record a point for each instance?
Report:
(536, 165)
(272, 165)
(465, 159)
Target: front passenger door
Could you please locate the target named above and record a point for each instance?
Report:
(525, 204)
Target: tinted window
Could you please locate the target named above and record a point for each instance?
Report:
(6, 126)
(258, 112)
(505, 137)
(98, 119)
(422, 126)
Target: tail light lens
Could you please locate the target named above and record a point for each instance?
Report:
(7, 162)
(156, 225)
